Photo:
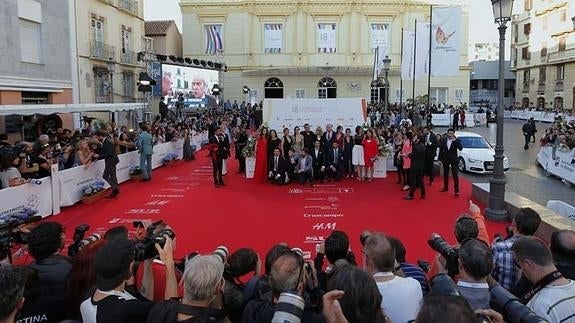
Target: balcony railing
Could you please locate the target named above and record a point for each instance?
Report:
(129, 5)
(563, 56)
(102, 99)
(101, 50)
(559, 86)
(128, 57)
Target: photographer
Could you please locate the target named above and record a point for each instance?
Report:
(9, 174)
(336, 249)
(240, 263)
(563, 250)
(49, 295)
(505, 271)
(27, 168)
(11, 293)
(44, 160)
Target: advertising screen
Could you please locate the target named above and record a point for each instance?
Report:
(188, 85)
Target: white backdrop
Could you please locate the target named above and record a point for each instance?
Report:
(282, 113)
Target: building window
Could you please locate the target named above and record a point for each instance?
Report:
(438, 95)
(541, 103)
(300, 94)
(128, 82)
(147, 45)
(525, 53)
(514, 56)
(327, 88)
(102, 85)
(98, 30)
(126, 35)
(542, 74)
(562, 44)
(560, 72)
(527, 29)
(30, 41)
(515, 33)
(459, 93)
(527, 4)
(558, 103)
(273, 88)
(543, 49)
(526, 76)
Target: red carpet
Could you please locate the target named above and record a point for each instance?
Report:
(248, 214)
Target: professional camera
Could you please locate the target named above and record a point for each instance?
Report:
(512, 309)
(451, 255)
(9, 222)
(289, 308)
(78, 236)
(145, 248)
(508, 231)
(222, 252)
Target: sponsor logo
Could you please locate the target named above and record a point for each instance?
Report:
(158, 202)
(313, 239)
(324, 226)
(321, 215)
(166, 195)
(143, 211)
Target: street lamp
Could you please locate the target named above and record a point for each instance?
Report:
(386, 68)
(111, 69)
(496, 211)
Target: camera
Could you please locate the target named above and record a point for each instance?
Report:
(35, 181)
(78, 236)
(145, 248)
(289, 308)
(508, 231)
(222, 252)
(512, 309)
(451, 255)
(9, 222)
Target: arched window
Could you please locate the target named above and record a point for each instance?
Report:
(525, 103)
(327, 88)
(273, 88)
(558, 103)
(541, 103)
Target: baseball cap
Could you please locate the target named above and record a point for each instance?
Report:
(112, 263)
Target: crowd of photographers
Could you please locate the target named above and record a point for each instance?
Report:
(133, 277)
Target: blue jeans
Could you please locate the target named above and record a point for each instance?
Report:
(146, 166)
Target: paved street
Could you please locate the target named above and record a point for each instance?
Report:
(524, 177)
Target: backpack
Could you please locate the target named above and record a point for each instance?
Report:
(167, 311)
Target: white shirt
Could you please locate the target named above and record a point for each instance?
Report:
(555, 303)
(89, 310)
(402, 298)
(8, 175)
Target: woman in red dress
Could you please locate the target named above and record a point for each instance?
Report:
(261, 171)
(370, 147)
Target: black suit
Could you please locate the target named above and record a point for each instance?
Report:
(347, 154)
(277, 169)
(449, 159)
(210, 101)
(308, 138)
(241, 142)
(418, 154)
(219, 152)
(163, 110)
(318, 162)
(108, 154)
(431, 145)
(335, 159)
(326, 142)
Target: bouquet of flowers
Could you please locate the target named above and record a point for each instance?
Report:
(135, 170)
(169, 157)
(16, 216)
(93, 188)
(250, 148)
(384, 149)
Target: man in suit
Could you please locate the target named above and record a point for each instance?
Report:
(418, 154)
(163, 109)
(334, 162)
(108, 154)
(218, 151)
(431, 144)
(318, 157)
(308, 137)
(328, 137)
(528, 132)
(146, 149)
(200, 90)
(304, 168)
(241, 142)
(277, 168)
(448, 156)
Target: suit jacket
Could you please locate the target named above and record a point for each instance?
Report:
(108, 153)
(307, 167)
(327, 142)
(241, 142)
(282, 165)
(219, 147)
(431, 148)
(210, 101)
(308, 138)
(418, 156)
(145, 143)
(330, 160)
(451, 153)
(318, 160)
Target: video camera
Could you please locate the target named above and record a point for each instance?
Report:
(451, 255)
(512, 309)
(145, 248)
(11, 221)
(79, 240)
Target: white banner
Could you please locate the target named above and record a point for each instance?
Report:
(380, 38)
(37, 197)
(326, 38)
(273, 38)
(559, 163)
(562, 208)
(380, 167)
(441, 119)
(445, 41)
(407, 63)
(422, 49)
(282, 113)
(537, 115)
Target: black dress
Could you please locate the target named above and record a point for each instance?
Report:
(272, 145)
(287, 142)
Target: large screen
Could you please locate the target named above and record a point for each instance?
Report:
(191, 86)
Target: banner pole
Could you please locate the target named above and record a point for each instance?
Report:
(428, 110)
(401, 75)
(414, 64)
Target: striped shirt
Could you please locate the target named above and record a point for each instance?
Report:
(416, 273)
(555, 303)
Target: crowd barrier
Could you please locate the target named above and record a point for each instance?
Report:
(562, 208)
(65, 188)
(558, 163)
(471, 119)
(540, 116)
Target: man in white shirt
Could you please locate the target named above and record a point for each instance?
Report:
(552, 295)
(402, 297)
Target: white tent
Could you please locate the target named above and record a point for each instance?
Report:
(47, 109)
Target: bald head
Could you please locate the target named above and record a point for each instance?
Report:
(380, 252)
(285, 273)
(563, 244)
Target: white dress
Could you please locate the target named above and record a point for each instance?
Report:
(357, 158)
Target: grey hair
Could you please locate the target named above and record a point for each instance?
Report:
(202, 275)
(43, 137)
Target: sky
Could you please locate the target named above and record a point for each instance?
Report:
(481, 25)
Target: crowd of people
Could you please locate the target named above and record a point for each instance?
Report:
(135, 278)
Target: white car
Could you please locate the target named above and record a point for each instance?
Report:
(477, 155)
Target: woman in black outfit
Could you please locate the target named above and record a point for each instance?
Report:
(286, 143)
(273, 143)
(347, 153)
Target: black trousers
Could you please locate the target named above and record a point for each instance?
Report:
(428, 167)
(527, 140)
(242, 162)
(110, 176)
(318, 175)
(447, 164)
(416, 180)
(217, 166)
(305, 177)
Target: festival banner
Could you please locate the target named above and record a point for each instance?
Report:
(35, 197)
(214, 39)
(273, 38)
(445, 41)
(380, 38)
(422, 49)
(154, 70)
(557, 162)
(407, 63)
(326, 38)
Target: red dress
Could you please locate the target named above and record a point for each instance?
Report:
(261, 171)
(369, 151)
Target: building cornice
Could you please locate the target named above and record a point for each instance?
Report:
(550, 9)
(31, 83)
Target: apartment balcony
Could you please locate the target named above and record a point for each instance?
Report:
(129, 6)
(559, 86)
(541, 86)
(128, 57)
(525, 87)
(101, 50)
(562, 57)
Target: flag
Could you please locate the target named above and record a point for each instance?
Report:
(214, 41)
(445, 41)
(376, 64)
(407, 57)
(422, 49)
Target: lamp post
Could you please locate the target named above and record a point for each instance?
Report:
(111, 69)
(386, 68)
(496, 211)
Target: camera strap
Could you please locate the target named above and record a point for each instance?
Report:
(548, 279)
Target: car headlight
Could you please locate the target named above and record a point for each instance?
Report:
(505, 160)
(473, 161)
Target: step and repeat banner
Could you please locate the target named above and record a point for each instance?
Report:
(540, 116)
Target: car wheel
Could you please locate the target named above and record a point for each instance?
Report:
(461, 165)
